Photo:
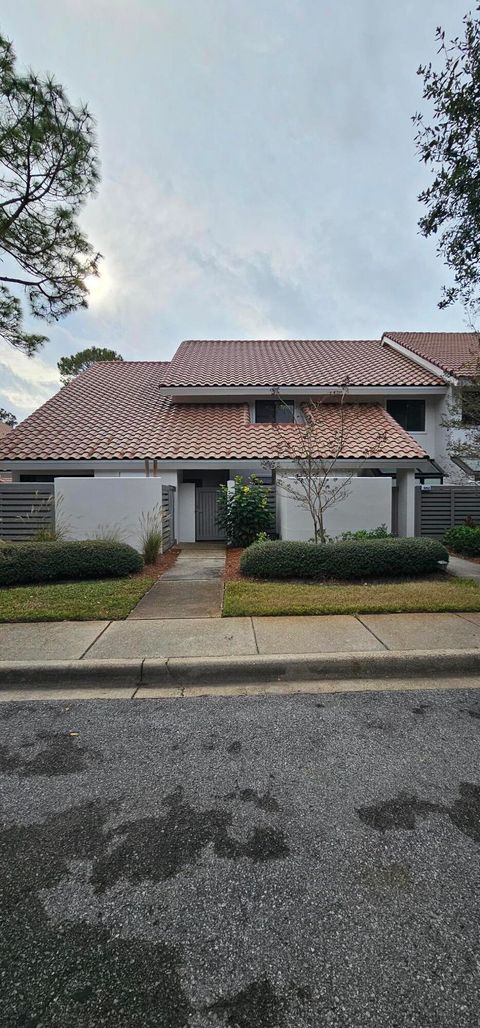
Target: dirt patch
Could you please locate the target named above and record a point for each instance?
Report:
(163, 564)
(232, 563)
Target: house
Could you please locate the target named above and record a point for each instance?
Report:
(232, 407)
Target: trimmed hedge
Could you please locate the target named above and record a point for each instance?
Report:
(367, 558)
(464, 539)
(23, 563)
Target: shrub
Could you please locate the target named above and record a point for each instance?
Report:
(243, 513)
(51, 562)
(364, 533)
(151, 533)
(464, 539)
(45, 535)
(368, 558)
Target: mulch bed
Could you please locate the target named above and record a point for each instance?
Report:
(232, 563)
(163, 564)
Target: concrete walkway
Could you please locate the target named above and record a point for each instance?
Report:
(192, 588)
(209, 637)
(463, 568)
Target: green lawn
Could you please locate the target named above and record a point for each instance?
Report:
(108, 599)
(250, 597)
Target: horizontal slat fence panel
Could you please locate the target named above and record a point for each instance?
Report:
(168, 517)
(272, 504)
(25, 509)
(443, 506)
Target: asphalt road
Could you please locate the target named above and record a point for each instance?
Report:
(274, 862)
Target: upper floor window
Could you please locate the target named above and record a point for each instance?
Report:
(470, 405)
(277, 412)
(410, 414)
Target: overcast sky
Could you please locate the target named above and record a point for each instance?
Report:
(259, 176)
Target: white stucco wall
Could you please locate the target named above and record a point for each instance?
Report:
(368, 504)
(428, 439)
(186, 512)
(92, 507)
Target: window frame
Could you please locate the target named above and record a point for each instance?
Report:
(469, 420)
(408, 400)
(277, 404)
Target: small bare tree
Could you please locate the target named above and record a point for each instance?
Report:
(327, 425)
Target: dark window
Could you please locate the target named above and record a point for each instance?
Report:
(410, 414)
(51, 478)
(470, 405)
(274, 412)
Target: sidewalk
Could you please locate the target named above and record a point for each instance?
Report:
(461, 568)
(192, 588)
(192, 650)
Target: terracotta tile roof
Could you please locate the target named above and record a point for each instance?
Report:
(114, 411)
(4, 429)
(292, 362)
(457, 353)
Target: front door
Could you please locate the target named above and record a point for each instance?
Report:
(206, 528)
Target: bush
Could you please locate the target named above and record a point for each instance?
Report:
(22, 563)
(464, 539)
(151, 533)
(369, 558)
(365, 533)
(244, 513)
(45, 535)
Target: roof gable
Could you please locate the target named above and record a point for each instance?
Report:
(457, 353)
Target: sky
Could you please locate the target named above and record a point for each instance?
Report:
(259, 174)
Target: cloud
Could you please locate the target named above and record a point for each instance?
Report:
(164, 253)
(258, 178)
(29, 369)
(25, 382)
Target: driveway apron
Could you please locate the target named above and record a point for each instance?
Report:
(192, 588)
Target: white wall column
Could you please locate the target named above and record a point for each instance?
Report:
(186, 512)
(406, 502)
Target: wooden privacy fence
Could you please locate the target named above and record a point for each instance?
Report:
(29, 507)
(25, 509)
(440, 507)
(168, 516)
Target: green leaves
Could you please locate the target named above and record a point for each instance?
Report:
(54, 561)
(48, 169)
(7, 417)
(11, 325)
(450, 148)
(464, 539)
(243, 513)
(71, 366)
(358, 558)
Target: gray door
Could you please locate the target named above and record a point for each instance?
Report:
(206, 527)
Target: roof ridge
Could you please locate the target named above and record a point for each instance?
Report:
(283, 339)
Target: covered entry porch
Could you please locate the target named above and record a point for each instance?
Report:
(198, 490)
(198, 498)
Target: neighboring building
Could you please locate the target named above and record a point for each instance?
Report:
(222, 408)
(457, 356)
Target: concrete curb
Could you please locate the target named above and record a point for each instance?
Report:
(75, 674)
(186, 671)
